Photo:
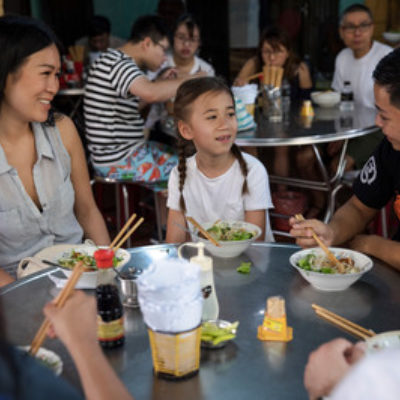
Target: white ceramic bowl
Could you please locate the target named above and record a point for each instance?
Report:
(88, 279)
(392, 37)
(48, 358)
(230, 248)
(381, 341)
(326, 99)
(332, 282)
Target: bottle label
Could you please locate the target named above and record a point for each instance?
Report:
(109, 331)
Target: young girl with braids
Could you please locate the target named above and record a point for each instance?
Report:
(218, 181)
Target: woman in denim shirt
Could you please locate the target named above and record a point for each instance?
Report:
(45, 193)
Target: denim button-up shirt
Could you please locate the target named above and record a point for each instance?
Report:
(24, 228)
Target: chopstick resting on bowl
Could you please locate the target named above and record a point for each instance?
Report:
(321, 244)
(203, 231)
(350, 327)
(59, 302)
(117, 242)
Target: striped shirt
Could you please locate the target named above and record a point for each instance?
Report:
(114, 126)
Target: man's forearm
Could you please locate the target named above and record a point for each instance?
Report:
(347, 222)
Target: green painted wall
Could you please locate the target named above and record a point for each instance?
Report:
(122, 13)
(343, 4)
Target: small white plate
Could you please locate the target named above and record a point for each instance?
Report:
(48, 358)
(381, 341)
(88, 279)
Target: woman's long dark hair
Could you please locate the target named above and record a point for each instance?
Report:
(21, 37)
(276, 38)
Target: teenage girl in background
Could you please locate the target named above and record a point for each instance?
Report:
(218, 181)
(184, 60)
(275, 49)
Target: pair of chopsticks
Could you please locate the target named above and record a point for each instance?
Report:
(273, 76)
(321, 244)
(59, 302)
(350, 327)
(203, 231)
(117, 242)
(76, 53)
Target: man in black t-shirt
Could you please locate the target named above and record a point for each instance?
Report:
(378, 182)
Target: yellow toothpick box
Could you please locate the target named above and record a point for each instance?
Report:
(274, 326)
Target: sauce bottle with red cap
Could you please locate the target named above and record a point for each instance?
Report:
(110, 322)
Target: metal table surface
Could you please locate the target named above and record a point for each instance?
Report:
(246, 368)
(328, 125)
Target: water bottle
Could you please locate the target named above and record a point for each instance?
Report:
(285, 94)
(347, 99)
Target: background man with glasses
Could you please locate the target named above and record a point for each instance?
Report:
(355, 64)
(358, 60)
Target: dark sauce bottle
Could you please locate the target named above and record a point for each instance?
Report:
(110, 322)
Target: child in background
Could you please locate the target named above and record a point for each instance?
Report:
(218, 181)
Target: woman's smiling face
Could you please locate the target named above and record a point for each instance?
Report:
(30, 90)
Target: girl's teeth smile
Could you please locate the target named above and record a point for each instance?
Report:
(223, 138)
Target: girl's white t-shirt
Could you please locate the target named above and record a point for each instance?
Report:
(209, 199)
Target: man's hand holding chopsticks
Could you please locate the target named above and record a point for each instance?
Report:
(303, 231)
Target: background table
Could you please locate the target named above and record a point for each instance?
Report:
(328, 125)
(246, 368)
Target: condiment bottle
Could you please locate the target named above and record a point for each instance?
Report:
(346, 97)
(210, 304)
(307, 109)
(110, 323)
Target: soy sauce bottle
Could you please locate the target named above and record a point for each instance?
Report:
(110, 322)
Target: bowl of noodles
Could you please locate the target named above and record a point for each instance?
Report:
(234, 237)
(315, 267)
(68, 255)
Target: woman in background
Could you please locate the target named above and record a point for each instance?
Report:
(275, 49)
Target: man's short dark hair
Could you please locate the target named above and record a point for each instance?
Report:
(99, 25)
(151, 26)
(356, 8)
(387, 74)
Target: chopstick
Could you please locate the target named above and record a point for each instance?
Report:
(343, 323)
(133, 229)
(321, 244)
(122, 231)
(59, 302)
(257, 75)
(203, 231)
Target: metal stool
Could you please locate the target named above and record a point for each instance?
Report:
(122, 185)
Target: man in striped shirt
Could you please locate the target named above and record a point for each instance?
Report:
(116, 86)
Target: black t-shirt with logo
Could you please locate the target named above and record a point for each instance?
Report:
(379, 180)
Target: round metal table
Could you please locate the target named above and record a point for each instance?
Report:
(246, 367)
(328, 125)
